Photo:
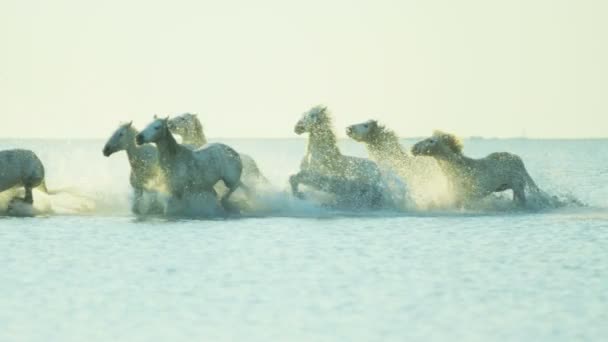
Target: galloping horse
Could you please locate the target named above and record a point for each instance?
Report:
(355, 181)
(426, 182)
(189, 127)
(145, 170)
(473, 179)
(191, 172)
(23, 168)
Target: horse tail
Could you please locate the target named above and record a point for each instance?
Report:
(43, 187)
(531, 183)
(245, 188)
(47, 191)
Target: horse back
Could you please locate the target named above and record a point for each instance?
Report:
(222, 156)
(505, 158)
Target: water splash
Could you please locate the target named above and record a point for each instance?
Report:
(105, 183)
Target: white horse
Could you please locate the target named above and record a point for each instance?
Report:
(23, 168)
(354, 180)
(189, 127)
(191, 172)
(145, 174)
(426, 181)
(382, 144)
(473, 179)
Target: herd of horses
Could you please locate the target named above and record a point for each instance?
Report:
(160, 165)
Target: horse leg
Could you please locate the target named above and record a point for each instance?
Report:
(232, 186)
(137, 201)
(29, 197)
(374, 196)
(294, 181)
(519, 195)
(315, 180)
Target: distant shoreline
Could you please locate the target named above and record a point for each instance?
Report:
(473, 138)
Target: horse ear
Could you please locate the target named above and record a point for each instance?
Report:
(155, 116)
(130, 123)
(167, 118)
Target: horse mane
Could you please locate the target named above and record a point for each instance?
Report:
(453, 142)
(323, 114)
(199, 135)
(325, 121)
(171, 144)
(324, 132)
(381, 133)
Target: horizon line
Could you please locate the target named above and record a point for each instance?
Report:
(472, 137)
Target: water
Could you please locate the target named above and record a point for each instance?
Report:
(299, 272)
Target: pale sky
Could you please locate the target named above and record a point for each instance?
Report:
(74, 68)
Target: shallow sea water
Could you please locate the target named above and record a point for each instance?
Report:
(303, 273)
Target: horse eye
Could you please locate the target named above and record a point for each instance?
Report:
(157, 128)
(365, 126)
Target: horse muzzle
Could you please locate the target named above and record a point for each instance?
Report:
(421, 150)
(416, 150)
(299, 129)
(139, 139)
(107, 151)
(350, 130)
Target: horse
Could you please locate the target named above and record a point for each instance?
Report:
(189, 127)
(191, 172)
(19, 167)
(381, 142)
(145, 174)
(426, 181)
(324, 167)
(472, 179)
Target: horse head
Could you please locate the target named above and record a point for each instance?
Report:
(312, 119)
(362, 131)
(439, 144)
(119, 140)
(155, 131)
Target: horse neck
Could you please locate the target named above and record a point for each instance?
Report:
(134, 153)
(323, 141)
(453, 162)
(167, 147)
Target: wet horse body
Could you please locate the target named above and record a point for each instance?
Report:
(20, 167)
(188, 171)
(189, 127)
(145, 174)
(426, 183)
(472, 179)
(356, 182)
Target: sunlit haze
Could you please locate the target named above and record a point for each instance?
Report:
(76, 69)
